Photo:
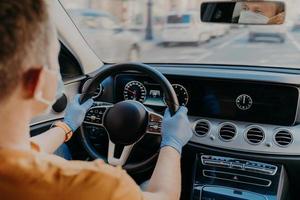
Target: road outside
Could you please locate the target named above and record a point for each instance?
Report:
(144, 30)
(232, 48)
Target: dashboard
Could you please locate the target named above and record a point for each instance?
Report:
(223, 99)
(253, 110)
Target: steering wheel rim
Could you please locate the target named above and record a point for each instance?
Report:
(170, 96)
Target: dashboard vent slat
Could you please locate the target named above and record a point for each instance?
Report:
(255, 135)
(202, 128)
(227, 132)
(283, 138)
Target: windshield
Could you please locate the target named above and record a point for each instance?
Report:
(178, 19)
(170, 31)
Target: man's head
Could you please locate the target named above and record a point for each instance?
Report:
(268, 9)
(28, 54)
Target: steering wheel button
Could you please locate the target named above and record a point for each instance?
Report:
(155, 118)
(93, 118)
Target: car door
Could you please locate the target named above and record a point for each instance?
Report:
(76, 60)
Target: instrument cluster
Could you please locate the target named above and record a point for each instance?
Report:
(152, 94)
(146, 91)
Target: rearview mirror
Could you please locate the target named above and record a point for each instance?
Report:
(244, 12)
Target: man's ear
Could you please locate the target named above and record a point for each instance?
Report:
(32, 82)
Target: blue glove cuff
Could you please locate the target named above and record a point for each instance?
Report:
(171, 143)
(70, 125)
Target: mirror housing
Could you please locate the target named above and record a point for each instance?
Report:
(244, 12)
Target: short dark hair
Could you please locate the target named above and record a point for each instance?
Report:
(23, 40)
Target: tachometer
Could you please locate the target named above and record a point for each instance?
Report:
(136, 91)
(182, 94)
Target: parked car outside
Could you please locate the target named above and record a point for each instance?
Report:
(106, 36)
(185, 28)
(267, 33)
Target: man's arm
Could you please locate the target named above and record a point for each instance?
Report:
(50, 140)
(165, 183)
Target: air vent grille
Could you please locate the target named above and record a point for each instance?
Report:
(283, 138)
(227, 132)
(202, 128)
(255, 135)
(98, 91)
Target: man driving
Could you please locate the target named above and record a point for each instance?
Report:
(29, 84)
(261, 13)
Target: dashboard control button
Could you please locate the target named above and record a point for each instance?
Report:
(259, 169)
(237, 166)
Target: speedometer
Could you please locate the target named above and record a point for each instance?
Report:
(135, 90)
(182, 94)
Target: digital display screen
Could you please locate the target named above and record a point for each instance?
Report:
(225, 99)
(243, 101)
(155, 96)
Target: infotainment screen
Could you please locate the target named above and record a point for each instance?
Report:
(244, 101)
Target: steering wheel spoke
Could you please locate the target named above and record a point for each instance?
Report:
(96, 113)
(154, 123)
(118, 154)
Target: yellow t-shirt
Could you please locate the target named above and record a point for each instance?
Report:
(33, 176)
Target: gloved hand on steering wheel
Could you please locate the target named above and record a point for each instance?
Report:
(176, 130)
(75, 112)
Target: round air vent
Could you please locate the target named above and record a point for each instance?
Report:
(202, 128)
(255, 135)
(283, 138)
(98, 92)
(227, 132)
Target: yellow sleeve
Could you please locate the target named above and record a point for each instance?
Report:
(93, 180)
(127, 189)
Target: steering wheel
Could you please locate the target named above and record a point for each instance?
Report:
(125, 122)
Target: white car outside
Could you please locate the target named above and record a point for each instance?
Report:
(106, 36)
(185, 28)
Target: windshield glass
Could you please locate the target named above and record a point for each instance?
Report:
(178, 19)
(170, 31)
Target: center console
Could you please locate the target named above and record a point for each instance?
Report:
(226, 178)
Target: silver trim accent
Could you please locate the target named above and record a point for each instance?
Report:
(124, 155)
(279, 130)
(267, 147)
(196, 123)
(253, 177)
(231, 188)
(242, 160)
(98, 94)
(251, 127)
(188, 95)
(101, 91)
(230, 124)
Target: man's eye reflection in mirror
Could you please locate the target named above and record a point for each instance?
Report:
(260, 12)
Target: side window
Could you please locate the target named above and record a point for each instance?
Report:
(69, 66)
(90, 22)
